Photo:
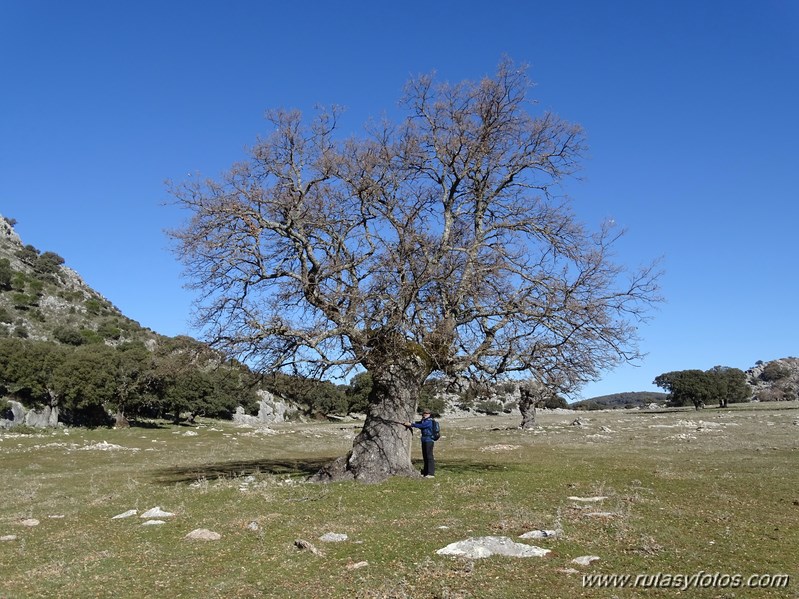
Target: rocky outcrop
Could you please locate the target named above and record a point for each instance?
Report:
(777, 380)
(270, 409)
(19, 415)
(7, 232)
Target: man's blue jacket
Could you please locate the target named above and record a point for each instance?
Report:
(426, 426)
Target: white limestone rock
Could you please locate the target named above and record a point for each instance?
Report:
(481, 547)
(127, 514)
(203, 534)
(156, 512)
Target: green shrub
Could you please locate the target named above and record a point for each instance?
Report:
(49, 263)
(109, 330)
(23, 301)
(68, 335)
(489, 406)
(93, 306)
(774, 371)
(90, 336)
(29, 255)
(556, 401)
(436, 405)
(6, 274)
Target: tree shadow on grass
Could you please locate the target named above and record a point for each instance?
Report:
(299, 468)
(148, 424)
(223, 470)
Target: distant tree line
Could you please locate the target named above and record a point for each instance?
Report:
(626, 400)
(720, 384)
(96, 383)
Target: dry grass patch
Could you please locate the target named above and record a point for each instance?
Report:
(722, 497)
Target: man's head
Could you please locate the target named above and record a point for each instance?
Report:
(426, 413)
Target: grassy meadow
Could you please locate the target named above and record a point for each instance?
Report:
(686, 493)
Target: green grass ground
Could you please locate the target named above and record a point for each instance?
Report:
(689, 493)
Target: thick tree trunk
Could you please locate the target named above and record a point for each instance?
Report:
(530, 395)
(120, 421)
(383, 447)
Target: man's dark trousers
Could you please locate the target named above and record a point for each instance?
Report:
(429, 461)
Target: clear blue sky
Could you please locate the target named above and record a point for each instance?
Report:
(691, 110)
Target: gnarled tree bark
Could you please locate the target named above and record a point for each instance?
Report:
(531, 395)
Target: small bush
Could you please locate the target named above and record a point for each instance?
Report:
(68, 335)
(49, 263)
(556, 401)
(23, 301)
(777, 393)
(29, 255)
(489, 406)
(108, 330)
(94, 306)
(6, 274)
(90, 336)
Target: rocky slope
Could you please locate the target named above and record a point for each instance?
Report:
(43, 299)
(777, 380)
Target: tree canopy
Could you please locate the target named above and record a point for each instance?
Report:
(720, 384)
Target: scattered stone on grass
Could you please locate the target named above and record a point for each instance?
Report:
(253, 526)
(601, 514)
(306, 546)
(127, 514)
(568, 571)
(8, 538)
(499, 447)
(203, 534)
(153, 522)
(56, 516)
(156, 512)
(357, 565)
(540, 534)
(480, 547)
(333, 537)
(588, 499)
(577, 422)
(30, 522)
(105, 446)
(585, 560)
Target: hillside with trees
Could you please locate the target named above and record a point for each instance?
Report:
(66, 351)
(625, 400)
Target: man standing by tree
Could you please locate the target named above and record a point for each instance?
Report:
(438, 244)
(428, 442)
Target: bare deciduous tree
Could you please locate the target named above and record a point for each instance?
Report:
(438, 244)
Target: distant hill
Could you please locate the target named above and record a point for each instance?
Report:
(631, 399)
